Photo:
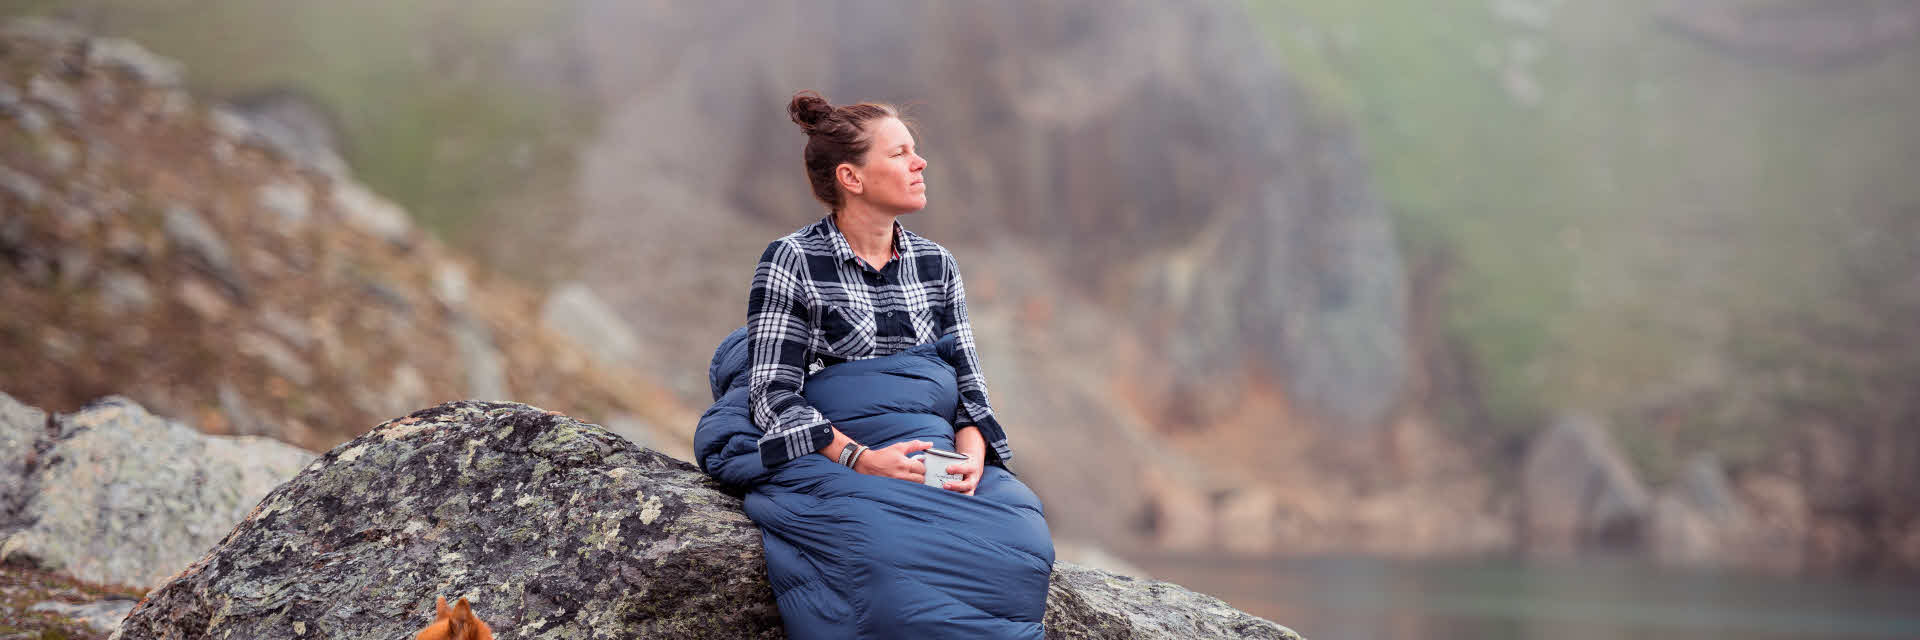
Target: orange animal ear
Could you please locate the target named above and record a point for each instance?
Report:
(440, 609)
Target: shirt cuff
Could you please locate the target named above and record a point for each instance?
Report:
(778, 448)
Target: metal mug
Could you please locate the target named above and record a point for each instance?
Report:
(937, 461)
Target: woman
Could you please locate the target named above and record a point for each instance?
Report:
(856, 356)
(858, 285)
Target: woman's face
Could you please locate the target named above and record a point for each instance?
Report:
(893, 178)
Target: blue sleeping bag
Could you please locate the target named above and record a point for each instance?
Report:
(858, 556)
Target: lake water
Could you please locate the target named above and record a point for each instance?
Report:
(1363, 598)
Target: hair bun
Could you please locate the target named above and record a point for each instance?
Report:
(808, 108)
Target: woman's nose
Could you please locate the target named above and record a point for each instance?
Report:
(919, 163)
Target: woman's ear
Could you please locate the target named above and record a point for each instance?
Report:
(849, 178)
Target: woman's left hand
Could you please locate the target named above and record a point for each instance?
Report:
(969, 471)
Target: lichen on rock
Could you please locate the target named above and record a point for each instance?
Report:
(553, 528)
(537, 518)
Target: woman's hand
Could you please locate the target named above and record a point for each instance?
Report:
(968, 440)
(892, 461)
(969, 471)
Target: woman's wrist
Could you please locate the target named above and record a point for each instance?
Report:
(968, 440)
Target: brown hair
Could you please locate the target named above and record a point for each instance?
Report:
(835, 135)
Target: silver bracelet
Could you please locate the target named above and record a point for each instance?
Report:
(856, 456)
(846, 453)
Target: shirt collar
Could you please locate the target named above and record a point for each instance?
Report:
(844, 251)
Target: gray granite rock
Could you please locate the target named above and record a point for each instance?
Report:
(56, 95)
(187, 229)
(369, 213)
(22, 187)
(554, 529)
(451, 284)
(295, 331)
(1704, 485)
(1578, 489)
(486, 367)
(119, 496)
(1090, 603)
(277, 356)
(288, 202)
(574, 311)
(21, 428)
(127, 56)
(294, 123)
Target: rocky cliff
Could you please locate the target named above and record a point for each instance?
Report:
(1160, 239)
(158, 248)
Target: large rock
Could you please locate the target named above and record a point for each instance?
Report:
(21, 429)
(554, 529)
(1578, 490)
(1700, 520)
(112, 494)
(1090, 603)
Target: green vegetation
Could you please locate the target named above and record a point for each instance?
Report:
(1627, 210)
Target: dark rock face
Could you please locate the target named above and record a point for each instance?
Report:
(552, 528)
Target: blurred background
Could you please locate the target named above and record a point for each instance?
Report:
(1459, 318)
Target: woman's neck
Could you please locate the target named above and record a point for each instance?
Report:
(868, 232)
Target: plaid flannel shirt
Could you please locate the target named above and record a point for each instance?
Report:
(814, 303)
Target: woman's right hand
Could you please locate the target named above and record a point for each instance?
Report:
(892, 461)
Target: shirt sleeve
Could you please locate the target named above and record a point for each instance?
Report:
(974, 408)
(779, 341)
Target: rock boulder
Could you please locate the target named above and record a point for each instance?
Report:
(554, 529)
(112, 494)
(1578, 489)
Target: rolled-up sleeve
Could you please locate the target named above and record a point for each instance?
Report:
(779, 340)
(975, 410)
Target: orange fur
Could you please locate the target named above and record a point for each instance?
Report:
(454, 623)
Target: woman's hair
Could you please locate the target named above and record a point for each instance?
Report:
(835, 135)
